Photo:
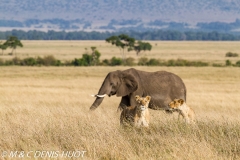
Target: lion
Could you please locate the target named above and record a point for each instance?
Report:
(136, 115)
(186, 112)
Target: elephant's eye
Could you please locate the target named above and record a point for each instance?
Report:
(111, 84)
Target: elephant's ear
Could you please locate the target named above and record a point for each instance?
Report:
(128, 85)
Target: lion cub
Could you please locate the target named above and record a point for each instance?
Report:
(136, 115)
(186, 112)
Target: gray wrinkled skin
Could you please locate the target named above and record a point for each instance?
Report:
(162, 86)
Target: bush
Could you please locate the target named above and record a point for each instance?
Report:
(40, 61)
(8, 63)
(217, 65)
(49, 61)
(84, 61)
(230, 54)
(198, 64)
(228, 63)
(116, 61)
(143, 61)
(130, 61)
(67, 63)
(172, 62)
(28, 62)
(58, 63)
(182, 62)
(153, 62)
(105, 62)
(16, 61)
(95, 60)
(238, 63)
(78, 62)
(178, 62)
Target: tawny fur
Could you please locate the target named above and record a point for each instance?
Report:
(184, 110)
(136, 115)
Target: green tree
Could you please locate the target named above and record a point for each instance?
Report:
(95, 56)
(141, 46)
(122, 41)
(3, 47)
(13, 42)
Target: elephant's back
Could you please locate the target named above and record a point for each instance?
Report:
(161, 79)
(163, 87)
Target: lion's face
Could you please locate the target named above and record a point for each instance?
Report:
(142, 102)
(176, 103)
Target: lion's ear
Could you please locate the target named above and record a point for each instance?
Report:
(137, 97)
(148, 98)
(181, 101)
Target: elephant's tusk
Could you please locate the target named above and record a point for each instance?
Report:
(96, 95)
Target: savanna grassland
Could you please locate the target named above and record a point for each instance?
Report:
(206, 51)
(47, 109)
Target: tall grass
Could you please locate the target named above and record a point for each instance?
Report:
(47, 108)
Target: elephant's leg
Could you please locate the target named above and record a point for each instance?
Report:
(124, 103)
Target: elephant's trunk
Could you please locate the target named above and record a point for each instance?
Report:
(103, 91)
(98, 100)
(96, 103)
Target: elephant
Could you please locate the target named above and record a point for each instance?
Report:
(162, 86)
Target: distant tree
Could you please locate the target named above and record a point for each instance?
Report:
(141, 46)
(13, 42)
(95, 56)
(3, 47)
(122, 41)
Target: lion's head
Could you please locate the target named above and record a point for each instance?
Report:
(142, 102)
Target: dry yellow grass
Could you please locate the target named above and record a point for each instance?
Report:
(209, 51)
(47, 109)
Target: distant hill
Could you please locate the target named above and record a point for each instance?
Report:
(112, 15)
